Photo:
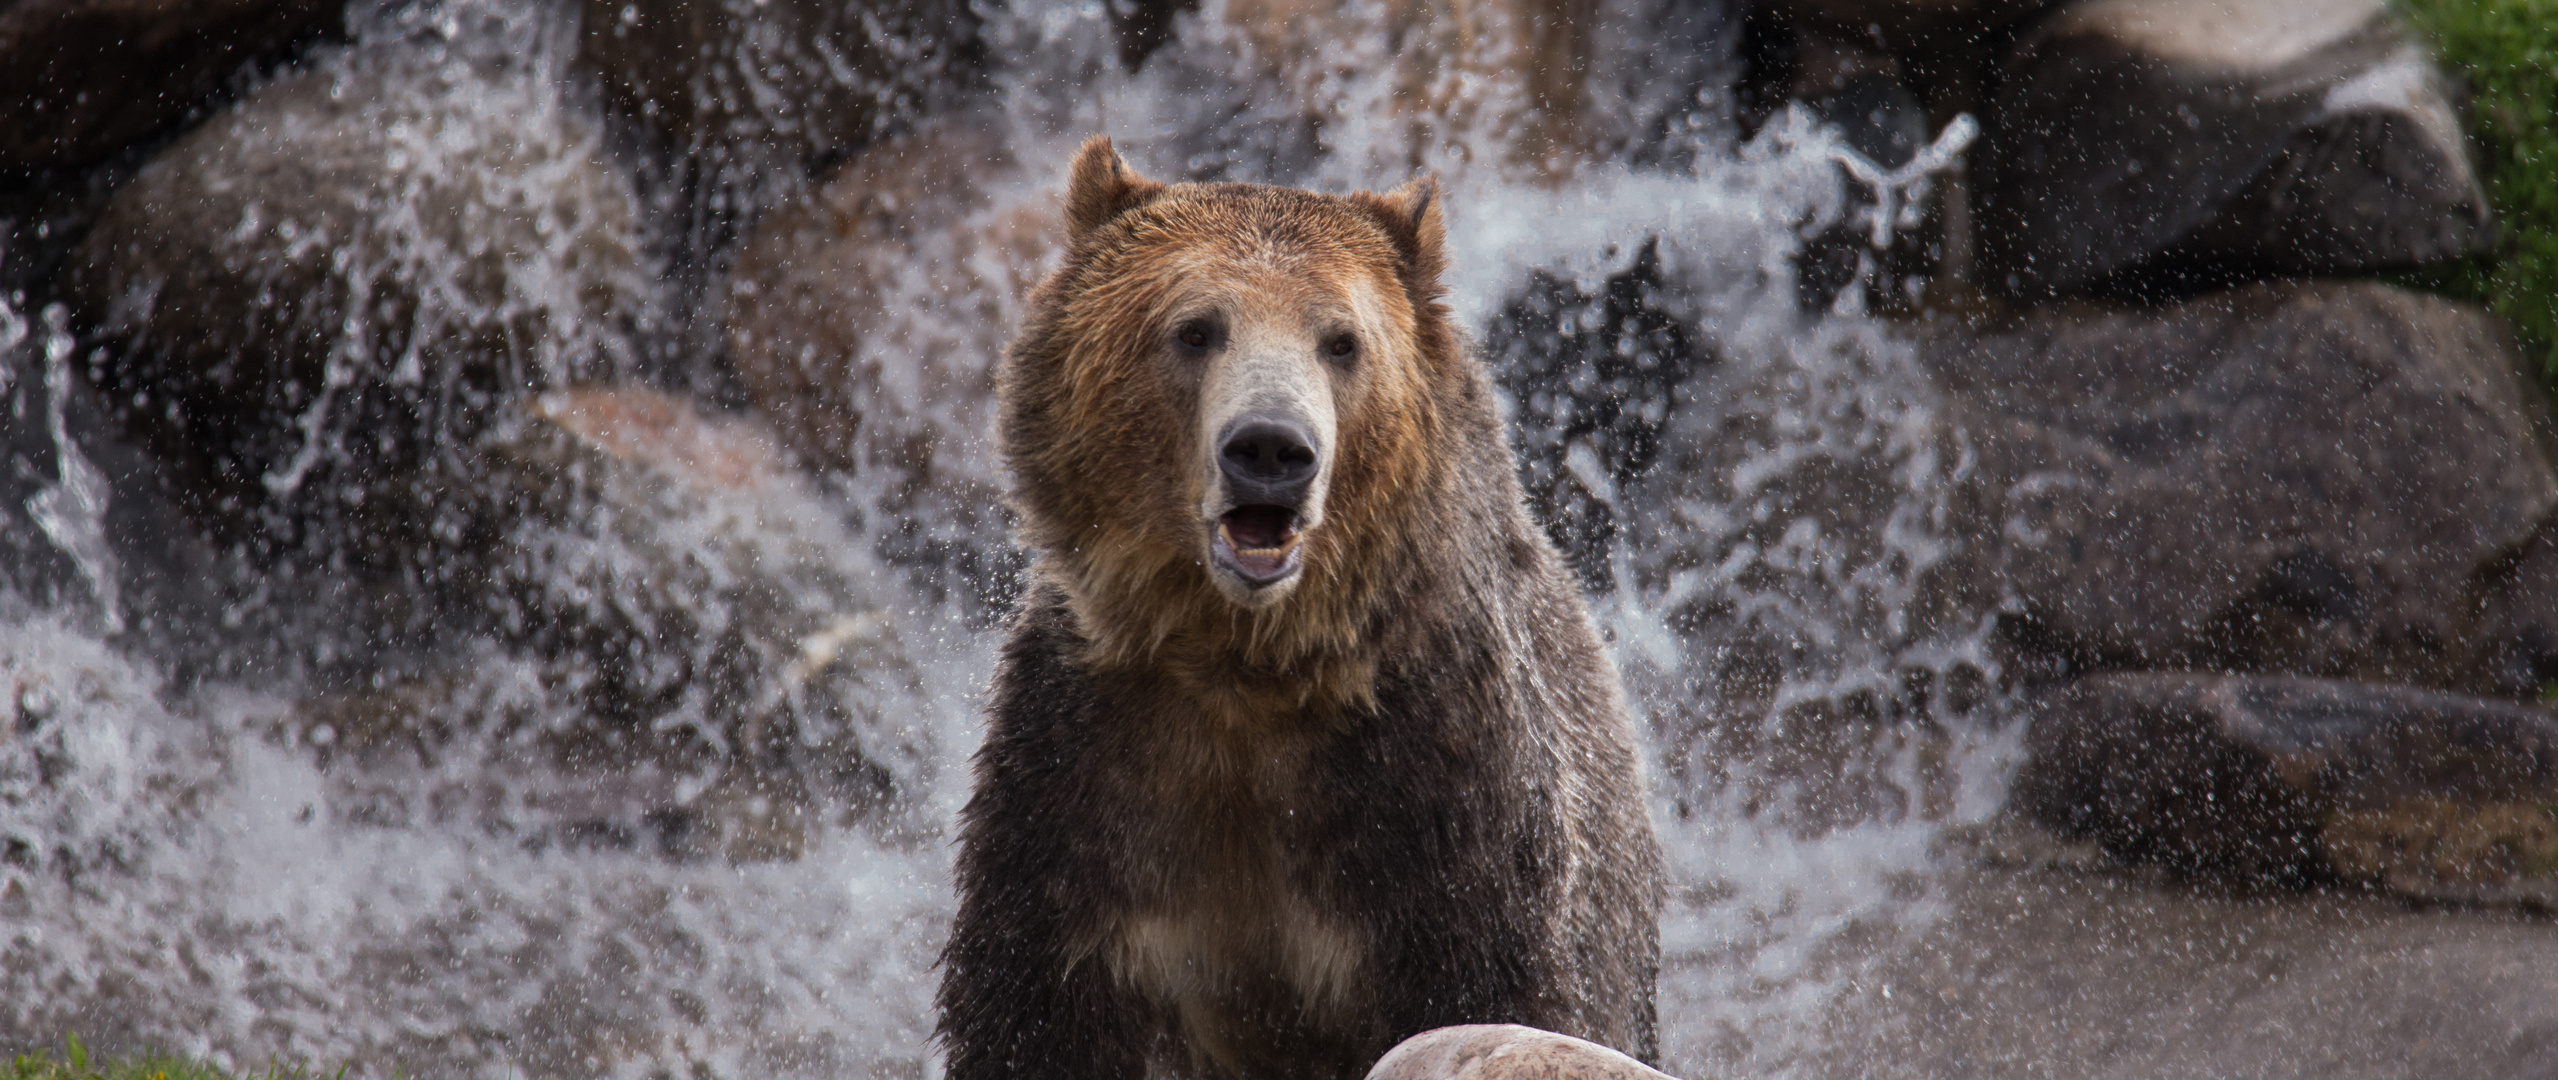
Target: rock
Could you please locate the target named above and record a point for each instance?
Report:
(2514, 643)
(81, 78)
(1505, 1052)
(320, 292)
(2170, 144)
(1902, 26)
(740, 85)
(866, 320)
(2297, 779)
(2288, 478)
(1852, 550)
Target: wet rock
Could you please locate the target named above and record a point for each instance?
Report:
(1505, 1052)
(311, 301)
(1901, 26)
(2291, 478)
(866, 319)
(2150, 145)
(2514, 643)
(81, 78)
(739, 85)
(1853, 551)
(2299, 779)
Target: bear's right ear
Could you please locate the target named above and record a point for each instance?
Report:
(1100, 187)
(1410, 215)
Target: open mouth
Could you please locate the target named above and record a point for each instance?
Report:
(1259, 543)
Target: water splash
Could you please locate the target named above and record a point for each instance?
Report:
(72, 510)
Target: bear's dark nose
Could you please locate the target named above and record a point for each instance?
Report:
(1267, 461)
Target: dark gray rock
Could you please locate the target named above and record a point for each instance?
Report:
(2294, 778)
(1505, 1052)
(81, 78)
(2289, 478)
(1851, 554)
(310, 301)
(2143, 145)
(2514, 644)
(1902, 26)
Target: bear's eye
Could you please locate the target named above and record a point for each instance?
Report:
(1341, 348)
(1197, 334)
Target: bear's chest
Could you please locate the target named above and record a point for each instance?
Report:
(1224, 928)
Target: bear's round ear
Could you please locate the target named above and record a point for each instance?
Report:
(1100, 186)
(1411, 218)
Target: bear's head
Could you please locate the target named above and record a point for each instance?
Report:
(1225, 409)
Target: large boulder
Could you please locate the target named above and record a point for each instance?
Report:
(2295, 478)
(2305, 779)
(865, 320)
(324, 289)
(80, 78)
(1847, 552)
(2146, 144)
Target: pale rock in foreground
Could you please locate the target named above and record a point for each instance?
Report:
(1505, 1052)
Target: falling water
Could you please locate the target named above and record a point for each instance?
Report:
(72, 509)
(214, 864)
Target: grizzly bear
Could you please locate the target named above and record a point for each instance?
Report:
(1303, 741)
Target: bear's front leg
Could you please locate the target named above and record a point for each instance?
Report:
(1013, 1005)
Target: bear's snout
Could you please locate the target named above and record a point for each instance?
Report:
(1268, 461)
(1272, 465)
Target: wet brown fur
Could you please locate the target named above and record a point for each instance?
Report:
(1416, 767)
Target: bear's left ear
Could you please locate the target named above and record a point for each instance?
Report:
(1100, 186)
(1410, 215)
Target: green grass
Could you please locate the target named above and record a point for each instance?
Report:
(2507, 51)
(77, 1064)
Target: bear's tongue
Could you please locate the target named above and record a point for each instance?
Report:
(1259, 536)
